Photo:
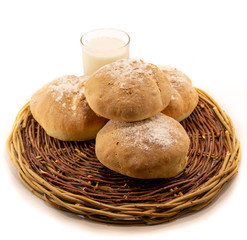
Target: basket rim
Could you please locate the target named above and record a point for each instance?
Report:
(126, 211)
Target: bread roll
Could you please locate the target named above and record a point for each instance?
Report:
(60, 107)
(153, 148)
(128, 90)
(184, 97)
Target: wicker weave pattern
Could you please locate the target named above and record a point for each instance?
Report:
(69, 176)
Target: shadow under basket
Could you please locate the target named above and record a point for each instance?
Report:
(68, 175)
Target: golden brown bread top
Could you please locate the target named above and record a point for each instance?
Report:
(184, 96)
(156, 147)
(60, 107)
(128, 90)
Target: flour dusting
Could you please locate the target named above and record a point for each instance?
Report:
(158, 130)
(125, 70)
(175, 76)
(67, 86)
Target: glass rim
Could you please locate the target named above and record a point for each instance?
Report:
(103, 29)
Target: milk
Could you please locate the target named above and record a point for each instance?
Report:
(103, 50)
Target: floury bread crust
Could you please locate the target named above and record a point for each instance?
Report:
(128, 90)
(153, 148)
(184, 96)
(60, 107)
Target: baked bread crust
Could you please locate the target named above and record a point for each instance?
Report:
(60, 107)
(128, 90)
(184, 96)
(153, 148)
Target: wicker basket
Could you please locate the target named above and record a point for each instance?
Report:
(68, 175)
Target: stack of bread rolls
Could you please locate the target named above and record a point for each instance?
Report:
(133, 110)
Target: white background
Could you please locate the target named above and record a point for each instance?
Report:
(40, 41)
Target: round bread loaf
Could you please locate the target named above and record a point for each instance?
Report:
(128, 90)
(184, 96)
(60, 107)
(156, 147)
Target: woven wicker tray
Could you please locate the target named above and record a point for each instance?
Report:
(68, 175)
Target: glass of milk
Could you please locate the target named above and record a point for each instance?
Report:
(103, 46)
